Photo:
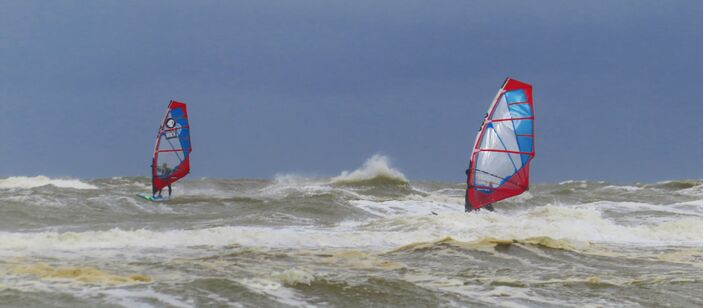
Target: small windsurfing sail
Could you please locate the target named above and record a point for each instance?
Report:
(172, 150)
(503, 149)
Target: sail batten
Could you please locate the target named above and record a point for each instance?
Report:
(503, 149)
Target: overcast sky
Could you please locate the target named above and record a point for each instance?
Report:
(316, 87)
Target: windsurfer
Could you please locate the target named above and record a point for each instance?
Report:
(468, 205)
(164, 170)
(503, 148)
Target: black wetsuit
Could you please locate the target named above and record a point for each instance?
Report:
(468, 207)
(169, 191)
(164, 171)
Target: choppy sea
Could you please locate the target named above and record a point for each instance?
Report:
(366, 238)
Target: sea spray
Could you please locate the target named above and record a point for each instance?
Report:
(377, 169)
(26, 182)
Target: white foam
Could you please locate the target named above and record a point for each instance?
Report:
(624, 188)
(210, 192)
(25, 182)
(572, 223)
(291, 237)
(573, 182)
(140, 298)
(419, 206)
(291, 179)
(375, 167)
(276, 291)
(580, 183)
(287, 184)
(584, 223)
(694, 191)
(691, 208)
(294, 276)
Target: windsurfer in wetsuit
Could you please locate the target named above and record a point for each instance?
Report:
(468, 205)
(164, 170)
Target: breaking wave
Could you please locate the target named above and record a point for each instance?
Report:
(489, 242)
(294, 277)
(677, 184)
(376, 170)
(25, 182)
(550, 226)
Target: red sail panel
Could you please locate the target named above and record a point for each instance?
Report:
(499, 166)
(171, 159)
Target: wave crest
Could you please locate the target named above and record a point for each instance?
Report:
(294, 276)
(677, 184)
(376, 170)
(490, 242)
(26, 182)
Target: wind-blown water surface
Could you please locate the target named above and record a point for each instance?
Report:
(364, 238)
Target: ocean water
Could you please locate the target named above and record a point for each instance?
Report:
(366, 238)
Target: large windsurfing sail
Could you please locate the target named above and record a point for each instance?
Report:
(500, 162)
(173, 147)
